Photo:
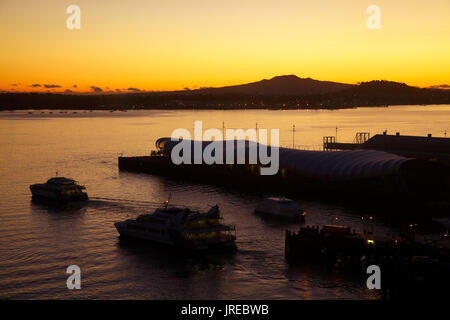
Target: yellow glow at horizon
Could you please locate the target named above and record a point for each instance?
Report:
(172, 44)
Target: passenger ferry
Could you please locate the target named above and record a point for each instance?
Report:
(281, 208)
(59, 189)
(181, 227)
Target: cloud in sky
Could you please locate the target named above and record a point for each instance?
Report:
(96, 89)
(441, 86)
(49, 86)
(35, 85)
(134, 89)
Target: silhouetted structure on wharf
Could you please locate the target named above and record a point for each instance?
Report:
(427, 148)
(365, 177)
(407, 267)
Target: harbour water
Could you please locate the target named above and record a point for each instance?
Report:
(38, 243)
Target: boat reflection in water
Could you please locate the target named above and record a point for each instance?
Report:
(182, 228)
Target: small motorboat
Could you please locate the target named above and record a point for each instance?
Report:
(281, 207)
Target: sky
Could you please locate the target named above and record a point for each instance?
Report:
(131, 45)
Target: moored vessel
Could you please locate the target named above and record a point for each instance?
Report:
(280, 207)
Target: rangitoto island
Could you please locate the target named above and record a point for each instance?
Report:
(281, 92)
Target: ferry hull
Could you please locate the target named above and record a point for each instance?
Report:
(40, 193)
(176, 242)
(291, 217)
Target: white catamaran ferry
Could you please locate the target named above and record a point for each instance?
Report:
(181, 227)
(59, 189)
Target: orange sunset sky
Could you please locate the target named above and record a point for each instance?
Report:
(174, 44)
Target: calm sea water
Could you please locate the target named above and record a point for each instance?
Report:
(37, 243)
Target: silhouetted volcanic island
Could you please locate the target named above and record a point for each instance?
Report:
(282, 85)
(282, 92)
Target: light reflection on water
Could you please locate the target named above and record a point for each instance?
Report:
(38, 242)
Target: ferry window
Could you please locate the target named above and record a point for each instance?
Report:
(135, 227)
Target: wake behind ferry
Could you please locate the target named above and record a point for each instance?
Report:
(181, 227)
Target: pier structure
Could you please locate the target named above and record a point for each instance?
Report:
(330, 142)
(407, 267)
(366, 176)
(426, 148)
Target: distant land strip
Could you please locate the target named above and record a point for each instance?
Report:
(283, 92)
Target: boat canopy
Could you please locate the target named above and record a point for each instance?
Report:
(61, 180)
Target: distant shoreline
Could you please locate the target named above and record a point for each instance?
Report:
(27, 108)
(370, 94)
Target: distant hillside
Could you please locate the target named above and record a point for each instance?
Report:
(381, 92)
(285, 92)
(281, 85)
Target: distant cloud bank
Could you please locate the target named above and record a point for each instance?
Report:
(134, 89)
(441, 86)
(96, 89)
